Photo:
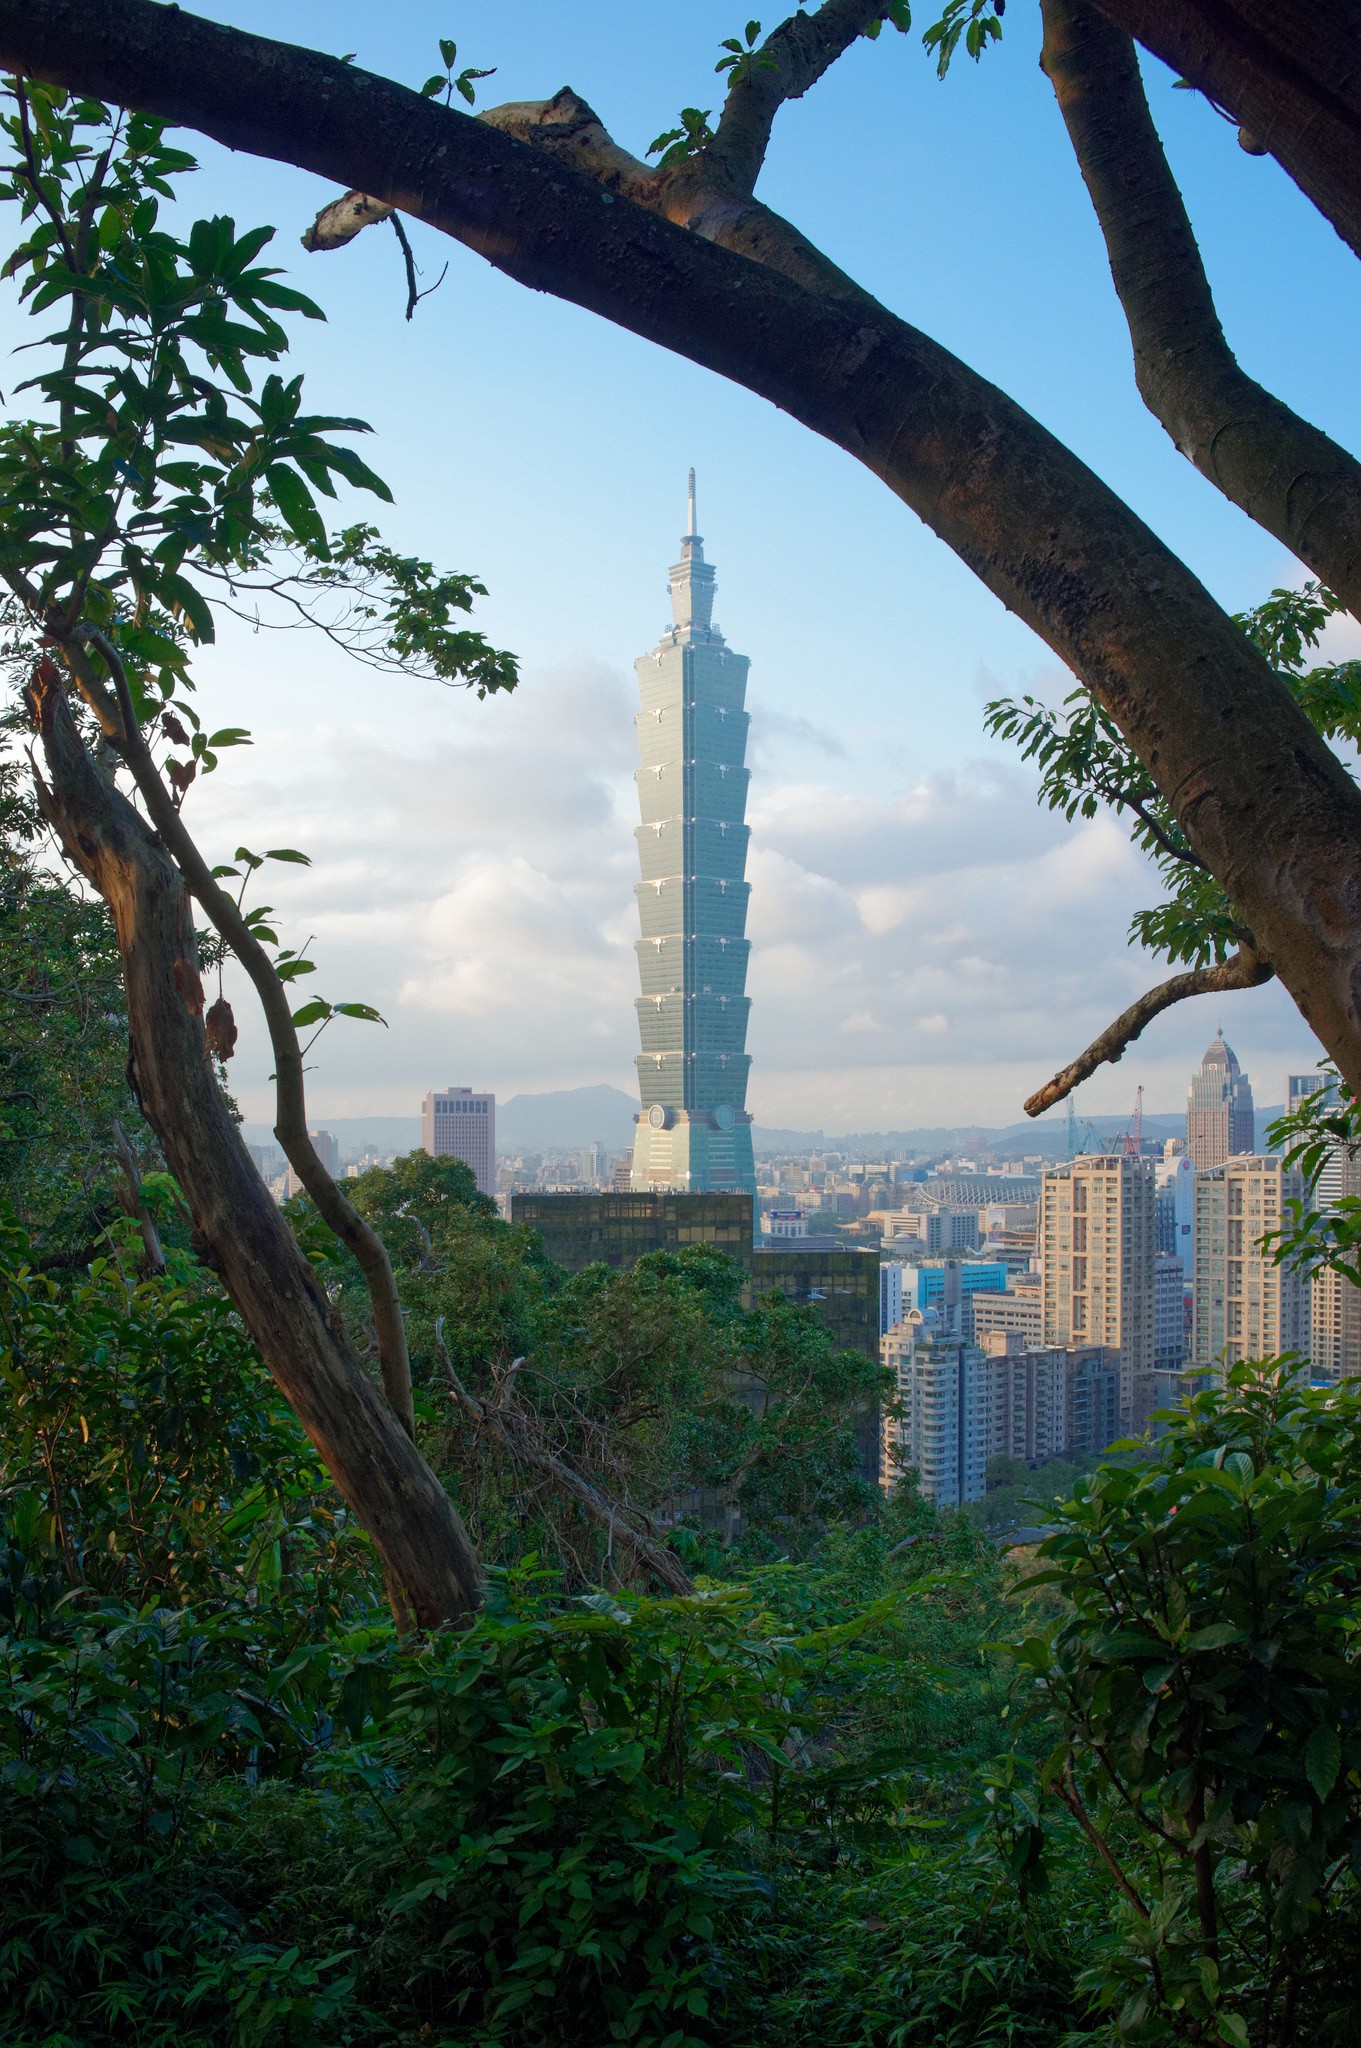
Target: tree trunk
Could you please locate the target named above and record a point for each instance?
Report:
(378, 1470)
(1260, 798)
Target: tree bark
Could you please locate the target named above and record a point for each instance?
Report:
(378, 1470)
(1289, 71)
(1283, 472)
(1258, 795)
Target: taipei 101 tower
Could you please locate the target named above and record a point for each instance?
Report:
(694, 1133)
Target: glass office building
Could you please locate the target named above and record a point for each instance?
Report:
(694, 1132)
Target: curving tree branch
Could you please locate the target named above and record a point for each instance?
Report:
(378, 1470)
(1289, 71)
(290, 1126)
(1242, 970)
(1284, 473)
(787, 64)
(1257, 793)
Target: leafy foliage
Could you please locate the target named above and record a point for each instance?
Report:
(1204, 1678)
(1086, 767)
(63, 1047)
(974, 22)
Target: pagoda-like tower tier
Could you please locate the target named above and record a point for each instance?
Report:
(704, 964)
(713, 904)
(692, 847)
(708, 728)
(677, 1022)
(710, 1078)
(713, 789)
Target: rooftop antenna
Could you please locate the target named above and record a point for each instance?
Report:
(1072, 1125)
(1134, 1136)
(692, 530)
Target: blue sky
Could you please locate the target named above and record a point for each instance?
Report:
(928, 946)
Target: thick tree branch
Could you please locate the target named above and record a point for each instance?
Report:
(788, 63)
(1289, 71)
(515, 1433)
(1243, 970)
(1284, 473)
(1257, 793)
(290, 1098)
(378, 1470)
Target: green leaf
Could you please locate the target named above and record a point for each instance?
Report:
(312, 1013)
(448, 51)
(1215, 1637)
(1323, 1759)
(365, 1011)
(434, 84)
(289, 853)
(296, 506)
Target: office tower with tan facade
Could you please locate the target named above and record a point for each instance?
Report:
(1219, 1115)
(460, 1123)
(1243, 1304)
(1097, 1245)
(694, 1132)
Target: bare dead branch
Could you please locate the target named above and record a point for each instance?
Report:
(343, 219)
(515, 1431)
(413, 294)
(1243, 970)
(1284, 473)
(136, 1206)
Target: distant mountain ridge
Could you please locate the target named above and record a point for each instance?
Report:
(568, 1119)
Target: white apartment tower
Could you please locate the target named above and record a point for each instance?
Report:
(1243, 1304)
(950, 1423)
(460, 1123)
(1097, 1244)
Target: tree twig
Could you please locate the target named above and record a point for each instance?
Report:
(413, 296)
(1242, 970)
(137, 1208)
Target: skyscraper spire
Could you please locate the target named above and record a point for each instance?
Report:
(692, 582)
(694, 1133)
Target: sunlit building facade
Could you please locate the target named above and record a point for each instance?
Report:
(694, 1132)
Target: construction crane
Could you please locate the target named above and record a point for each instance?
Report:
(1134, 1136)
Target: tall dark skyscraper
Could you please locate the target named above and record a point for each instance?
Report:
(694, 1132)
(1219, 1117)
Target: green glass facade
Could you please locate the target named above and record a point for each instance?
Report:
(614, 1230)
(694, 1132)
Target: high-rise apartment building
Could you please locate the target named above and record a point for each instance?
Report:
(1219, 1118)
(1334, 1300)
(1243, 1304)
(694, 1133)
(949, 1395)
(1169, 1312)
(1097, 1240)
(460, 1123)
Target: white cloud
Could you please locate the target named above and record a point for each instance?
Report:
(473, 877)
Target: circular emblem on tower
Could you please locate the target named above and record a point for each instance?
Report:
(723, 1116)
(656, 1116)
